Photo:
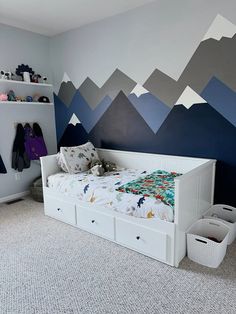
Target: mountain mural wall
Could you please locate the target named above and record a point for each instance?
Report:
(193, 116)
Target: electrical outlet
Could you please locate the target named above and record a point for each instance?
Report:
(17, 176)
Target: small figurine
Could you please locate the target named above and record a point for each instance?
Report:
(6, 75)
(11, 96)
(45, 79)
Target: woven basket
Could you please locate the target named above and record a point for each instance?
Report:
(36, 190)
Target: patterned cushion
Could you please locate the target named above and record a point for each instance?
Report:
(78, 158)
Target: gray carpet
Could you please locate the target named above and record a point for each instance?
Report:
(50, 267)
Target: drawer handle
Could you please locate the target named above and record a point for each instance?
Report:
(138, 237)
(93, 221)
(59, 209)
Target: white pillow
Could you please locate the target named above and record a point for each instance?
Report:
(60, 162)
(78, 158)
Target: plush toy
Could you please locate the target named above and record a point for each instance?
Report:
(11, 96)
(20, 98)
(35, 78)
(108, 166)
(6, 75)
(98, 167)
(97, 170)
(3, 97)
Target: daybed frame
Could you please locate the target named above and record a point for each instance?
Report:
(161, 240)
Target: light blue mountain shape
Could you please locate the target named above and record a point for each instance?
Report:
(221, 98)
(153, 111)
(87, 116)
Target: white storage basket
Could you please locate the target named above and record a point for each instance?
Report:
(224, 213)
(203, 250)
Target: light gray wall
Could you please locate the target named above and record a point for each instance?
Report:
(162, 35)
(18, 46)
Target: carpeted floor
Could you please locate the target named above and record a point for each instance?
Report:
(50, 267)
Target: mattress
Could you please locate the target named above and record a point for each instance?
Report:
(113, 190)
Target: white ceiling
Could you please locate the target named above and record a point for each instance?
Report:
(51, 17)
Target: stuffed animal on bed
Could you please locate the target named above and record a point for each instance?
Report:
(98, 167)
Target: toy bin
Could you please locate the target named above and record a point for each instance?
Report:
(207, 242)
(224, 213)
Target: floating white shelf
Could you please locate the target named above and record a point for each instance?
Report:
(27, 103)
(25, 83)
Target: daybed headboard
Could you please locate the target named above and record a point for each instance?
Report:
(48, 166)
(151, 161)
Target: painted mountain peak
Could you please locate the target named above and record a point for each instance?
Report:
(74, 120)
(118, 81)
(121, 127)
(66, 92)
(189, 97)
(220, 27)
(65, 78)
(211, 58)
(139, 90)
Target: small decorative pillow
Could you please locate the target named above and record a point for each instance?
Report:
(78, 158)
(60, 162)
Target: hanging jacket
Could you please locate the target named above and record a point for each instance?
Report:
(2, 166)
(20, 159)
(34, 142)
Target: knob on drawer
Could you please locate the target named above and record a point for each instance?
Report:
(93, 221)
(138, 237)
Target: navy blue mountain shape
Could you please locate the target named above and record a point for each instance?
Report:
(2, 166)
(196, 132)
(202, 132)
(74, 135)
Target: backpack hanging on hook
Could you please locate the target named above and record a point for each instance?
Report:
(34, 142)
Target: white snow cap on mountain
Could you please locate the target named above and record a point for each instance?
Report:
(139, 90)
(189, 97)
(74, 120)
(66, 78)
(219, 28)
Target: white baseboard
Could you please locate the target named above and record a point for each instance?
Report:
(13, 196)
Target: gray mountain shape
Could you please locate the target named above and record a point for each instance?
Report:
(211, 58)
(66, 92)
(117, 82)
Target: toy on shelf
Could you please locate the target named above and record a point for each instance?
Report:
(3, 97)
(36, 97)
(6, 75)
(29, 98)
(35, 78)
(25, 72)
(20, 98)
(44, 99)
(45, 79)
(11, 96)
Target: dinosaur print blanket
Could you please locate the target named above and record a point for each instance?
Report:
(159, 184)
(107, 191)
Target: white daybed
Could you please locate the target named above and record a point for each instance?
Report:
(159, 239)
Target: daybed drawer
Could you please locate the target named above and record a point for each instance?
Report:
(60, 209)
(96, 222)
(145, 240)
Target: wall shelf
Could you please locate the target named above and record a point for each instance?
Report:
(26, 103)
(25, 83)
